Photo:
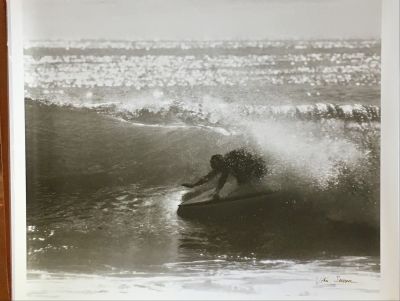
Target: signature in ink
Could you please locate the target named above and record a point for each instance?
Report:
(333, 280)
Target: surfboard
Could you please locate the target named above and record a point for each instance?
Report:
(238, 202)
(207, 198)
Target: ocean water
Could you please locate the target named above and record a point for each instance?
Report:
(114, 127)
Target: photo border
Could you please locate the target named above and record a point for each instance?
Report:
(390, 248)
(390, 94)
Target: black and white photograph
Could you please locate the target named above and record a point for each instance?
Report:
(202, 149)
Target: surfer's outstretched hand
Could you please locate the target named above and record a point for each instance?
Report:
(188, 185)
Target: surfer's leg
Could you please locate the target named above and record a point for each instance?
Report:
(242, 180)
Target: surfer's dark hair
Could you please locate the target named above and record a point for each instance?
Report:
(217, 161)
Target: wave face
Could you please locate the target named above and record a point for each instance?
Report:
(317, 146)
(112, 132)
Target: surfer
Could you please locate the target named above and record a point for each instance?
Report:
(241, 164)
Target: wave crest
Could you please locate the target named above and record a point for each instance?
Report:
(211, 112)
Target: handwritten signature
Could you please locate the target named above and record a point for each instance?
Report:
(337, 280)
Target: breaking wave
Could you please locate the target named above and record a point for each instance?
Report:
(327, 153)
(215, 112)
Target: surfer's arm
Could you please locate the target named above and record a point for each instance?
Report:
(205, 179)
(221, 182)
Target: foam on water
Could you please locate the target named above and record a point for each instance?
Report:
(217, 280)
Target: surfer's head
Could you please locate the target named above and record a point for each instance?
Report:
(217, 162)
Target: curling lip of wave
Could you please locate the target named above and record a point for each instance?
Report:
(176, 112)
